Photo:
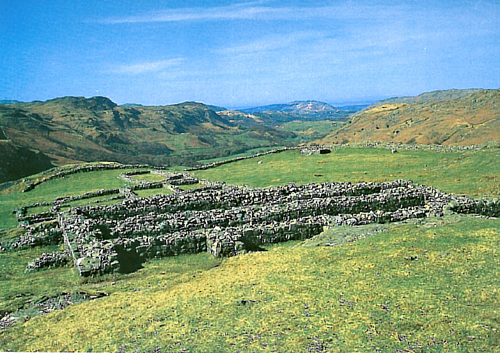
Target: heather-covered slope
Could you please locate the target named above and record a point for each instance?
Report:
(443, 117)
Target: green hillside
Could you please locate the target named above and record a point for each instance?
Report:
(421, 285)
(76, 129)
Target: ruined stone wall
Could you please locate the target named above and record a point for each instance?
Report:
(228, 220)
(81, 169)
(405, 147)
(52, 214)
(39, 235)
(310, 150)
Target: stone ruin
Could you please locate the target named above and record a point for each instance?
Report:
(224, 220)
(310, 150)
(31, 184)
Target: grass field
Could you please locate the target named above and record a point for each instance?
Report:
(474, 173)
(71, 185)
(149, 177)
(245, 154)
(152, 192)
(425, 286)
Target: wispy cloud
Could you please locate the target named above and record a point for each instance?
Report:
(273, 42)
(247, 11)
(145, 67)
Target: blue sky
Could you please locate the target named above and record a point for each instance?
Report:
(238, 54)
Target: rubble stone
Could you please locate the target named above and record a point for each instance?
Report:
(226, 220)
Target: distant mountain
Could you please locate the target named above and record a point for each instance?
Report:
(131, 105)
(454, 117)
(277, 114)
(74, 129)
(307, 108)
(9, 101)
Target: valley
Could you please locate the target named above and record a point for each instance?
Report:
(291, 227)
(75, 129)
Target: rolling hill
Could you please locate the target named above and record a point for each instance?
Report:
(455, 117)
(75, 129)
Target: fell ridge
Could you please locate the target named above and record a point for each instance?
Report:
(449, 117)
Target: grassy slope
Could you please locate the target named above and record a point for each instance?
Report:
(358, 296)
(71, 185)
(362, 295)
(472, 173)
(471, 118)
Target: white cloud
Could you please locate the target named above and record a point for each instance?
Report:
(145, 67)
(272, 42)
(240, 11)
(254, 11)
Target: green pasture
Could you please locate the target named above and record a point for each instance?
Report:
(71, 185)
(475, 173)
(244, 154)
(148, 177)
(421, 286)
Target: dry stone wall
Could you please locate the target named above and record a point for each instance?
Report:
(38, 235)
(81, 169)
(310, 150)
(232, 160)
(228, 220)
(393, 146)
(47, 260)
